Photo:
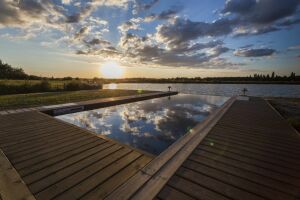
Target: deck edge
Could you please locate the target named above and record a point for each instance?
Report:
(12, 187)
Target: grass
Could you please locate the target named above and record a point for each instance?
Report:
(289, 108)
(51, 98)
(53, 83)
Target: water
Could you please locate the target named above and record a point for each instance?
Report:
(262, 90)
(150, 125)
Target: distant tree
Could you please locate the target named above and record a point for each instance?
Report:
(292, 76)
(9, 72)
(273, 75)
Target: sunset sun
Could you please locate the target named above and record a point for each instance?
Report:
(111, 69)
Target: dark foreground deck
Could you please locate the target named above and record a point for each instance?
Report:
(251, 153)
(60, 161)
(243, 151)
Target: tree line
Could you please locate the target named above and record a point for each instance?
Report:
(9, 72)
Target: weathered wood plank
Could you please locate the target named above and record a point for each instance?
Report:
(101, 191)
(169, 193)
(65, 186)
(232, 180)
(195, 190)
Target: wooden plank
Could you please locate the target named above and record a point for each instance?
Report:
(261, 147)
(92, 182)
(262, 164)
(61, 141)
(232, 180)
(57, 183)
(85, 148)
(195, 190)
(249, 167)
(51, 154)
(255, 155)
(34, 145)
(169, 193)
(215, 185)
(55, 150)
(279, 143)
(210, 141)
(65, 188)
(243, 173)
(38, 137)
(101, 191)
(258, 134)
(7, 137)
(51, 175)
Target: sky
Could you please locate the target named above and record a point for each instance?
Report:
(151, 38)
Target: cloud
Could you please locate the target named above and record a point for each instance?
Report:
(132, 24)
(138, 7)
(81, 32)
(182, 31)
(97, 41)
(28, 12)
(67, 2)
(254, 52)
(164, 15)
(289, 22)
(255, 17)
(253, 30)
(262, 11)
(197, 55)
(292, 48)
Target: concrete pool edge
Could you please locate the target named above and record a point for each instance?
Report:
(148, 182)
(100, 103)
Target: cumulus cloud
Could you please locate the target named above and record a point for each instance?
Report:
(197, 55)
(81, 32)
(289, 22)
(261, 12)
(254, 52)
(259, 17)
(132, 24)
(28, 12)
(138, 6)
(164, 15)
(182, 31)
(96, 41)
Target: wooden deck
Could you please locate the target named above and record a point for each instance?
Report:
(245, 150)
(60, 161)
(251, 153)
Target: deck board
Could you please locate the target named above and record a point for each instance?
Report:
(251, 153)
(57, 160)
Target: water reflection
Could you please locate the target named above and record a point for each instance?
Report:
(150, 125)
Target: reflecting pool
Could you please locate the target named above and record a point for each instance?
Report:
(150, 125)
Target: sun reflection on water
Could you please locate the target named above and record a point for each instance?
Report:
(112, 86)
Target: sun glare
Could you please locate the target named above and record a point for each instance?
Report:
(112, 69)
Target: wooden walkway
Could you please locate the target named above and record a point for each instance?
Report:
(251, 153)
(57, 160)
(243, 151)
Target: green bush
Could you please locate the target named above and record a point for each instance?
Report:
(79, 85)
(44, 86)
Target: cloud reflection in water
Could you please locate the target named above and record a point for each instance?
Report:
(150, 125)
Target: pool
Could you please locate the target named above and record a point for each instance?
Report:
(150, 125)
